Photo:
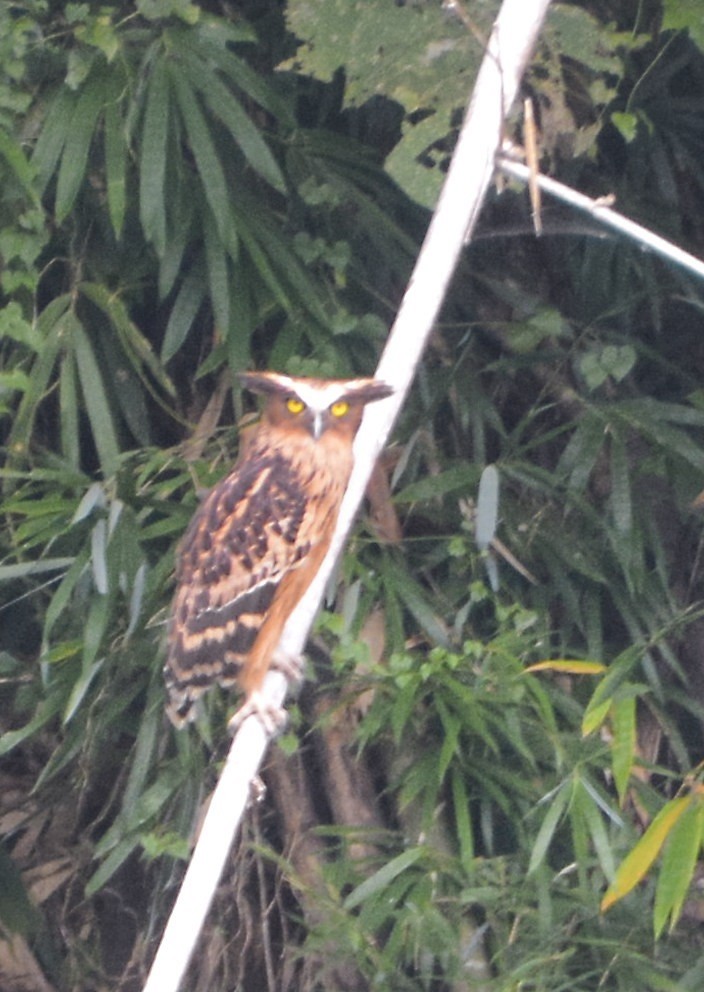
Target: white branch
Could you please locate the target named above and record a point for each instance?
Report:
(600, 210)
(471, 169)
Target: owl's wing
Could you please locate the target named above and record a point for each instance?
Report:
(245, 537)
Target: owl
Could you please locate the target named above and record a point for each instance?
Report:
(256, 541)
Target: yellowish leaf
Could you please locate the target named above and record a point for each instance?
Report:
(568, 666)
(635, 866)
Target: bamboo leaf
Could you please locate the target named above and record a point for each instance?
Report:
(80, 688)
(568, 666)
(98, 548)
(28, 569)
(620, 495)
(62, 596)
(185, 207)
(74, 158)
(213, 46)
(549, 826)
(218, 274)
(623, 745)
(580, 455)
(487, 507)
(46, 712)
(382, 878)
(94, 628)
(584, 807)
(152, 166)
(68, 410)
(223, 104)
(114, 860)
(678, 865)
(204, 152)
(636, 865)
(95, 397)
(413, 597)
(463, 820)
(187, 304)
(54, 135)
(115, 165)
(137, 347)
(52, 325)
(283, 268)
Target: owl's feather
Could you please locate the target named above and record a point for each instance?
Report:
(257, 540)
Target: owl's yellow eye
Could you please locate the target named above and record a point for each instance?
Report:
(340, 408)
(294, 405)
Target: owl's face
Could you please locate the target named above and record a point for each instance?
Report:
(315, 406)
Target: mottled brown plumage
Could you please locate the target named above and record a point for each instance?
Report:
(257, 540)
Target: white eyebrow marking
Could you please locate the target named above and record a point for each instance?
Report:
(318, 399)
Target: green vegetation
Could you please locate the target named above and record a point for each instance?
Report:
(494, 781)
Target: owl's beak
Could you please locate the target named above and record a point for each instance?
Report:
(317, 425)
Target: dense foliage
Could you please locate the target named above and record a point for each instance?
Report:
(189, 189)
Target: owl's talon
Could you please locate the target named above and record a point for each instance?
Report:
(291, 666)
(273, 718)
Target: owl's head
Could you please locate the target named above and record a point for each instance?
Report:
(314, 405)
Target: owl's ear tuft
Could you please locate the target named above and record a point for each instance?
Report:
(367, 390)
(265, 383)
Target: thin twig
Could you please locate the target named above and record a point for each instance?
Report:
(601, 210)
(468, 178)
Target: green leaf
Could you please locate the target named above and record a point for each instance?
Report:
(74, 158)
(679, 861)
(620, 495)
(80, 688)
(684, 15)
(137, 347)
(623, 745)
(13, 325)
(27, 569)
(17, 912)
(107, 869)
(24, 170)
(63, 594)
(94, 629)
(414, 598)
(224, 105)
(580, 455)
(218, 274)
(382, 878)
(626, 124)
(588, 812)
(549, 826)
(97, 405)
(155, 10)
(214, 44)
(152, 166)
(115, 165)
(45, 712)
(463, 820)
(460, 478)
(203, 148)
(68, 410)
(414, 55)
(184, 311)
(53, 327)
(54, 134)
